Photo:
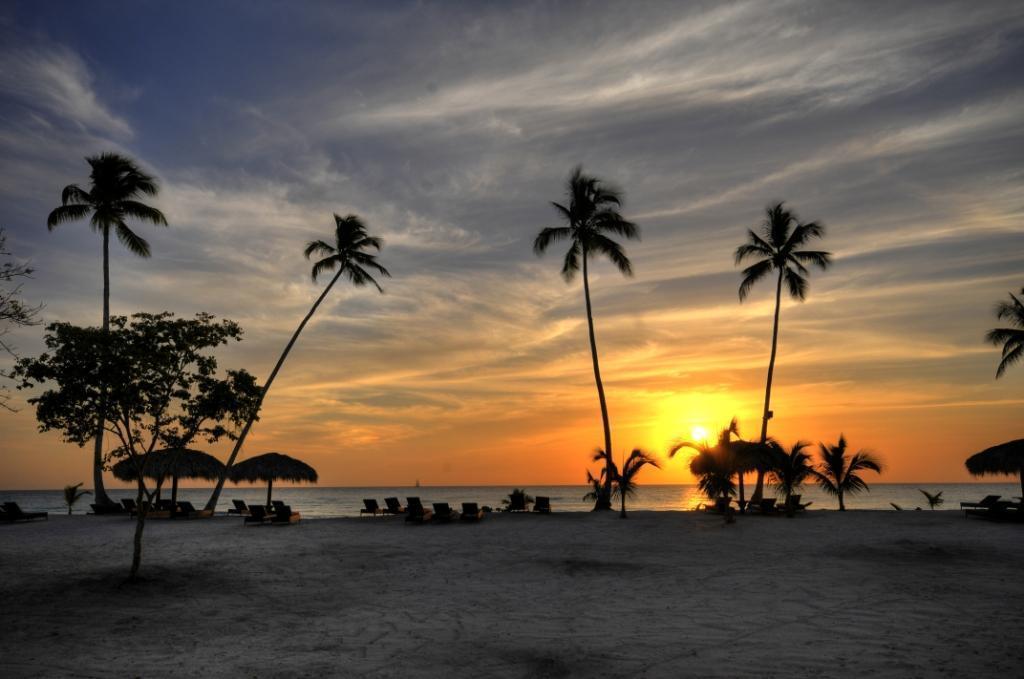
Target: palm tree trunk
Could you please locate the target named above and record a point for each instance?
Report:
(212, 504)
(98, 489)
(604, 498)
(759, 487)
(842, 506)
(270, 491)
(140, 524)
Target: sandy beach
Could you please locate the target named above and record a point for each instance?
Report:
(662, 594)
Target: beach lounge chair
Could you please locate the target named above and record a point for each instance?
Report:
(443, 513)
(542, 505)
(104, 509)
(371, 507)
(257, 516)
(985, 503)
(393, 506)
(415, 512)
(185, 510)
(164, 505)
(471, 512)
(240, 508)
(764, 506)
(13, 512)
(129, 505)
(283, 515)
(794, 505)
(1004, 511)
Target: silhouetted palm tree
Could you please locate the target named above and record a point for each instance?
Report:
(777, 249)
(72, 494)
(592, 214)
(933, 500)
(625, 481)
(1011, 338)
(790, 470)
(714, 467)
(116, 185)
(348, 256)
(838, 474)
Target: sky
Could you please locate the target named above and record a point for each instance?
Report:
(449, 128)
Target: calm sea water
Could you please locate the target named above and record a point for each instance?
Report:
(334, 502)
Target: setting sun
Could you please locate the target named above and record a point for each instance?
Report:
(699, 434)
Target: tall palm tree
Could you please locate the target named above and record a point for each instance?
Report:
(591, 215)
(1011, 338)
(777, 249)
(116, 187)
(625, 481)
(790, 470)
(838, 474)
(348, 257)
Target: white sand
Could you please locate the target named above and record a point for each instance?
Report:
(880, 594)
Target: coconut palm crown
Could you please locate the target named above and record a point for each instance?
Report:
(1012, 338)
(839, 474)
(625, 481)
(590, 219)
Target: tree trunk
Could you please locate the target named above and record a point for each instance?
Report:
(99, 491)
(140, 524)
(742, 503)
(842, 507)
(1022, 484)
(604, 498)
(270, 491)
(212, 504)
(759, 487)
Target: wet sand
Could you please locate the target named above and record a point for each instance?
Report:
(666, 594)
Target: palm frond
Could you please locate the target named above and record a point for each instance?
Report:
(796, 284)
(136, 244)
(614, 252)
(550, 235)
(754, 273)
(66, 213)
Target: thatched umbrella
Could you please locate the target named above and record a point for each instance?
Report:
(270, 467)
(173, 463)
(1006, 458)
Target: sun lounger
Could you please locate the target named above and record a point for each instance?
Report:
(257, 516)
(104, 509)
(766, 506)
(1004, 511)
(12, 512)
(283, 515)
(240, 508)
(371, 507)
(129, 505)
(185, 510)
(415, 511)
(542, 505)
(394, 506)
(471, 512)
(443, 513)
(164, 506)
(985, 503)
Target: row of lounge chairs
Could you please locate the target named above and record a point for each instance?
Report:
(162, 509)
(992, 508)
(278, 514)
(11, 512)
(764, 507)
(442, 512)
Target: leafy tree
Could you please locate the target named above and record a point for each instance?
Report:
(839, 474)
(349, 256)
(792, 467)
(591, 217)
(14, 312)
(625, 484)
(72, 494)
(777, 249)
(1011, 338)
(933, 500)
(116, 187)
(156, 375)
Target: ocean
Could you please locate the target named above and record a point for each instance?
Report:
(317, 502)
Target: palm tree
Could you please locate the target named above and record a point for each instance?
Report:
(625, 481)
(933, 500)
(714, 467)
(790, 470)
(1011, 338)
(117, 184)
(838, 474)
(592, 214)
(348, 256)
(777, 250)
(72, 494)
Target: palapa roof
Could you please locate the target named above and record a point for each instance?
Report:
(1006, 458)
(272, 467)
(185, 463)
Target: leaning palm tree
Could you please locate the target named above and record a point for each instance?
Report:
(625, 481)
(790, 470)
(116, 185)
(777, 249)
(1011, 338)
(592, 214)
(348, 257)
(838, 474)
(73, 494)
